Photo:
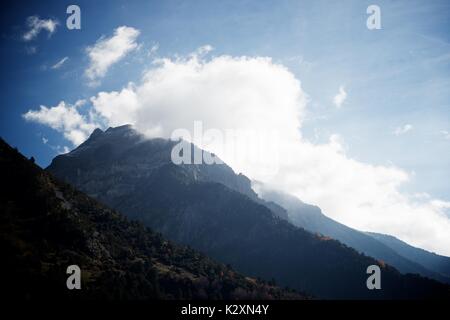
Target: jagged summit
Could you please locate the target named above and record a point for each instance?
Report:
(121, 128)
(127, 128)
(96, 133)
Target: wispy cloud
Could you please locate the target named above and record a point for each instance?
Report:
(36, 25)
(108, 51)
(56, 148)
(202, 51)
(403, 129)
(445, 134)
(153, 50)
(31, 50)
(340, 98)
(60, 63)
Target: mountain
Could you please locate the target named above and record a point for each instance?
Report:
(380, 247)
(429, 260)
(47, 225)
(212, 209)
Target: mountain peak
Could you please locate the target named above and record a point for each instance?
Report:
(124, 130)
(97, 132)
(125, 127)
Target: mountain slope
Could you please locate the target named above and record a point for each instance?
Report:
(47, 225)
(311, 218)
(432, 261)
(137, 177)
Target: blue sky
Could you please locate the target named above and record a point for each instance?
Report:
(395, 76)
(395, 79)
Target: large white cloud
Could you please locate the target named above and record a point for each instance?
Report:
(241, 95)
(108, 51)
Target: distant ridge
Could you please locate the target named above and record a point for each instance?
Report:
(430, 260)
(311, 218)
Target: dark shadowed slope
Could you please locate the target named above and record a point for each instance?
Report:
(45, 226)
(311, 218)
(190, 205)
